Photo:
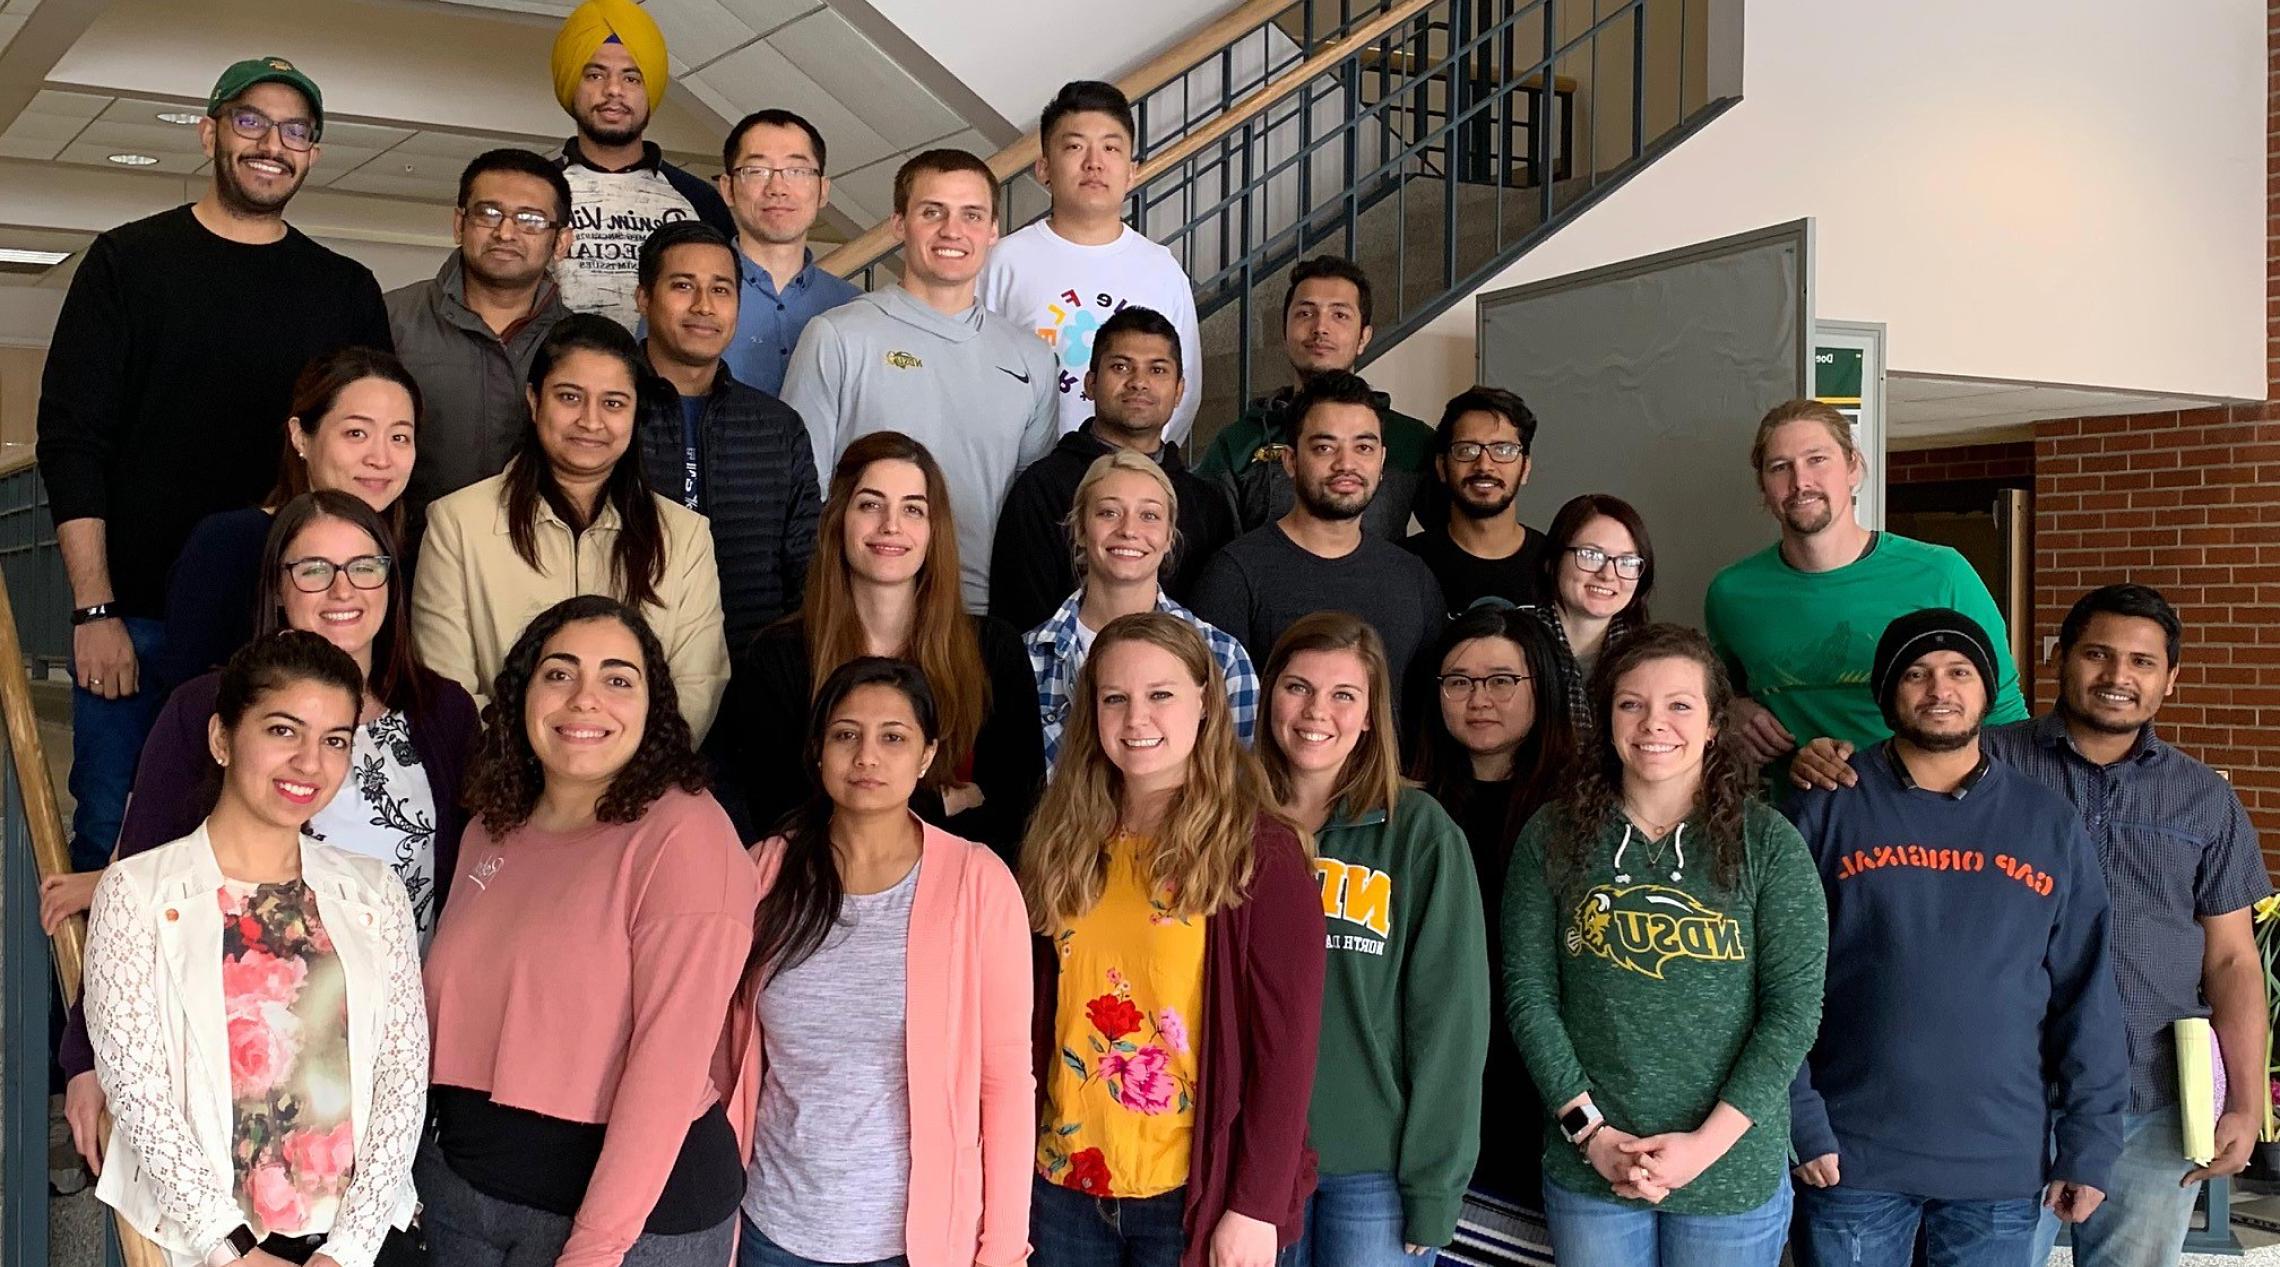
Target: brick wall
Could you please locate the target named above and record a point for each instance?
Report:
(2190, 503)
(1961, 462)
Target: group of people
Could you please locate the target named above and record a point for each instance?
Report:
(679, 761)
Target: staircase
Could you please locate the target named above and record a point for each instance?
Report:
(1434, 142)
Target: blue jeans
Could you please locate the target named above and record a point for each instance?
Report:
(1355, 1221)
(1071, 1229)
(1600, 1232)
(2145, 1216)
(1860, 1227)
(755, 1250)
(106, 740)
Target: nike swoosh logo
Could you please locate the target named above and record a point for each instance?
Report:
(1022, 377)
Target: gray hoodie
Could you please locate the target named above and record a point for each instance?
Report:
(977, 390)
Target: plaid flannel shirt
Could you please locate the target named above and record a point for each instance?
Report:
(1054, 658)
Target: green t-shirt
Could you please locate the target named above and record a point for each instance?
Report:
(1802, 643)
(1662, 996)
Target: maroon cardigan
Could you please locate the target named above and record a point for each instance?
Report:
(1263, 961)
(175, 779)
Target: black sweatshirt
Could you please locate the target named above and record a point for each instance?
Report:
(759, 741)
(171, 374)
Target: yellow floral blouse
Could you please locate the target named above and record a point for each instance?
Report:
(1120, 1100)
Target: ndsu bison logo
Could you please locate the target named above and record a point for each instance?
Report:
(1642, 927)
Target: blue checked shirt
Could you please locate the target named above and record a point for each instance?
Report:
(2176, 847)
(1055, 658)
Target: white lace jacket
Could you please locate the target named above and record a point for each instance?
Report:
(155, 1013)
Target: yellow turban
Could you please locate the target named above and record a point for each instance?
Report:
(590, 26)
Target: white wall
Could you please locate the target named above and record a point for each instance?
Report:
(2062, 191)
(1015, 54)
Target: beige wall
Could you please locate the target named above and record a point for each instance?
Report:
(19, 399)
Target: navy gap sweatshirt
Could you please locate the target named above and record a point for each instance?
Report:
(1971, 1012)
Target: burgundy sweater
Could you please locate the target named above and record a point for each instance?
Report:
(1263, 963)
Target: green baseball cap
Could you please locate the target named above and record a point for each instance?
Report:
(266, 70)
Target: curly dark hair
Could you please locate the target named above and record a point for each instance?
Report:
(1729, 781)
(504, 778)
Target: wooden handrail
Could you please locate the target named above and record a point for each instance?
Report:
(873, 243)
(51, 854)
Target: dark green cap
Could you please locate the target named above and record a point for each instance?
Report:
(266, 70)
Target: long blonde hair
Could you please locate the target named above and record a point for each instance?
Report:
(1080, 508)
(942, 640)
(1202, 855)
(1371, 778)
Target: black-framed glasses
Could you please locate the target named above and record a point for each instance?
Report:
(1592, 558)
(315, 576)
(1504, 451)
(760, 175)
(491, 215)
(252, 124)
(1500, 686)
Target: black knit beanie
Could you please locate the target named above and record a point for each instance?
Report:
(1919, 633)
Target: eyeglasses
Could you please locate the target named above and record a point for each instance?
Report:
(315, 576)
(1500, 686)
(297, 134)
(1592, 558)
(491, 215)
(1504, 451)
(759, 175)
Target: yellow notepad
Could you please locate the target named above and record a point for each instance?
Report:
(2200, 1086)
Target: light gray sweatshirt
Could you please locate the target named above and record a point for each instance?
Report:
(977, 390)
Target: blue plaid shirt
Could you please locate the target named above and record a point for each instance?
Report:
(1055, 658)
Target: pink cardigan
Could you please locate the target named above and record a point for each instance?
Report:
(973, 1097)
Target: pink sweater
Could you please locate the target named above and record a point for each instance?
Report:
(586, 975)
(973, 1096)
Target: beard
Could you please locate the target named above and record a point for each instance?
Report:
(1326, 505)
(625, 134)
(239, 198)
(1933, 740)
(1471, 509)
(2091, 719)
(1807, 518)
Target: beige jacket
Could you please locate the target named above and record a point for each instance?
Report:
(472, 595)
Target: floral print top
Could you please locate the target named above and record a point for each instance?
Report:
(292, 1146)
(1120, 1100)
(386, 809)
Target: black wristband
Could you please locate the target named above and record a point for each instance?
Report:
(89, 615)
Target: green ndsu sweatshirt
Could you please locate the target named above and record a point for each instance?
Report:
(1405, 1008)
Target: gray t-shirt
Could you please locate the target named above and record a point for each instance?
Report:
(830, 1169)
(1263, 581)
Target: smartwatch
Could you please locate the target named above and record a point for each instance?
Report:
(240, 1242)
(1578, 1123)
(89, 615)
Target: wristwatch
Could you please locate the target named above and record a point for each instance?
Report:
(240, 1242)
(1579, 1122)
(88, 615)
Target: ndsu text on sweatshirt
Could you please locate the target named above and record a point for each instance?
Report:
(1637, 977)
(1971, 1011)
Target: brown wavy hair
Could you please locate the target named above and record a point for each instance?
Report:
(1203, 851)
(942, 640)
(504, 778)
(398, 680)
(1371, 778)
(1729, 780)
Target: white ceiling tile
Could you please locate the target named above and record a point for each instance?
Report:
(366, 180)
(766, 15)
(69, 105)
(45, 127)
(867, 194)
(12, 146)
(1910, 387)
(698, 32)
(142, 110)
(852, 69)
(364, 136)
(11, 22)
(150, 138)
(459, 147)
(20, 6)
(96, 155)
(759, 76)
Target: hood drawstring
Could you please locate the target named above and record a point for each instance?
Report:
(1678, 844)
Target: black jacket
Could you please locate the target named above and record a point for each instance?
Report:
(755, 482)
(759, 741)
(1030, 569)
